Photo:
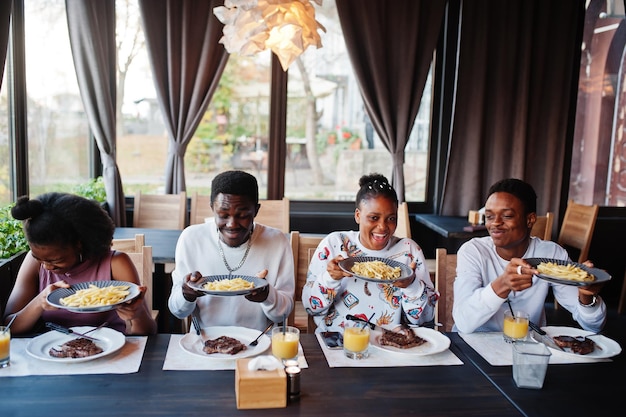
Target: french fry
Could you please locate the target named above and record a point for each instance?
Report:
(568, 272)
(233, 284)
(95, 296)
(376, 269)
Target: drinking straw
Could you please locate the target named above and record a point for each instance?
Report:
(368, 321)
(284, 324)
(10, 323)
(510, 308)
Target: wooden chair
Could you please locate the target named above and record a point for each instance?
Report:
(445, 274)
(303, 247)
(577, 228)
(543, 226)
(200, 208)
(142, 259)
(404, 225)
(274, 213)
(160, 211)
(133, 245)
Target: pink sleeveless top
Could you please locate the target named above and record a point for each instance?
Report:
(90, 270)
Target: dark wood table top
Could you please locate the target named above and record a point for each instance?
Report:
(449, 226)
(582, 389)
(425, 391)
(163, 241)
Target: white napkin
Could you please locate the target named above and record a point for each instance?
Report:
(125, 361)
(383, 358)
(178, 359)
(492, 347)
(264, 363)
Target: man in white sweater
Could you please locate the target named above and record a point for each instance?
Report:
(491, 270)
(231, 243)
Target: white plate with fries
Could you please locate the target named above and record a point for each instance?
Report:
(374, 269)
(228, 285)
(109, 340)
(568, 272)
(94, 296)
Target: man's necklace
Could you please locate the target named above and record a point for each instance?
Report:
(245, 255)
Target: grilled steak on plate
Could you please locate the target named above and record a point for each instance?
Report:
(403, 339)
(580, 345)
(223, 344)
(76, 348)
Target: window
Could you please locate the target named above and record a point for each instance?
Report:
(598, 173)
(5, 163)
(58, 131)
(331, 142)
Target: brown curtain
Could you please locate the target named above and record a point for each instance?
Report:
(5, 23)
(518, 63)
(187, 62)
(91, 25)
(391, 46)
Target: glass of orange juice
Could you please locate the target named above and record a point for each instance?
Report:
(285, 341)
(515, 326)
(5, 346)
(356, 340)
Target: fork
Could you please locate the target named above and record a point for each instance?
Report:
(256, 341)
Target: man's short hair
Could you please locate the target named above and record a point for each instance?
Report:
(236, 183)
(520, 189)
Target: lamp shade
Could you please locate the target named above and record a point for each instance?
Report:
(286, 27)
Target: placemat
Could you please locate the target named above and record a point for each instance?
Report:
(125, 361)
(178, 359)
(383, 358)
(492, 347)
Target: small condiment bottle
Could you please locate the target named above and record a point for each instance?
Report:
(293, 382)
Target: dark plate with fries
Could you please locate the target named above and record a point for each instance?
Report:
(348, 263)
(598, 274)
(54, 298)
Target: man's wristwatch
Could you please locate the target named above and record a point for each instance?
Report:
(591, 304)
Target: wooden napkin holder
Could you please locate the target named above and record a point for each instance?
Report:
(259, 389)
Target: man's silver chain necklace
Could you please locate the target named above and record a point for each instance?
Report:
(245, 255)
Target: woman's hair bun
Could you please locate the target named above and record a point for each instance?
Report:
(26, 208)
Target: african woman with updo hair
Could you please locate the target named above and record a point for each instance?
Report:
(331, 293)
(70, 242)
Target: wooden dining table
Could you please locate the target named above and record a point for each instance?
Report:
(471, 389)
(399, 391)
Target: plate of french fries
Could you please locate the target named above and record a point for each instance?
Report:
(228, 285)
(567, 272)
(375, 269)
(93, 296)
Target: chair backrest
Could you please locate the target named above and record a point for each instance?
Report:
(274, 213)
(543, 226)
(445, 274)
(577, 228)
(129, 245)
(200, 208)
(160, 211)
(404, 225)
(143, 263)
(303, 246)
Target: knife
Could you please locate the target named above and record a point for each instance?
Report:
(196, 324)
(66, 330)
(544, 338)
